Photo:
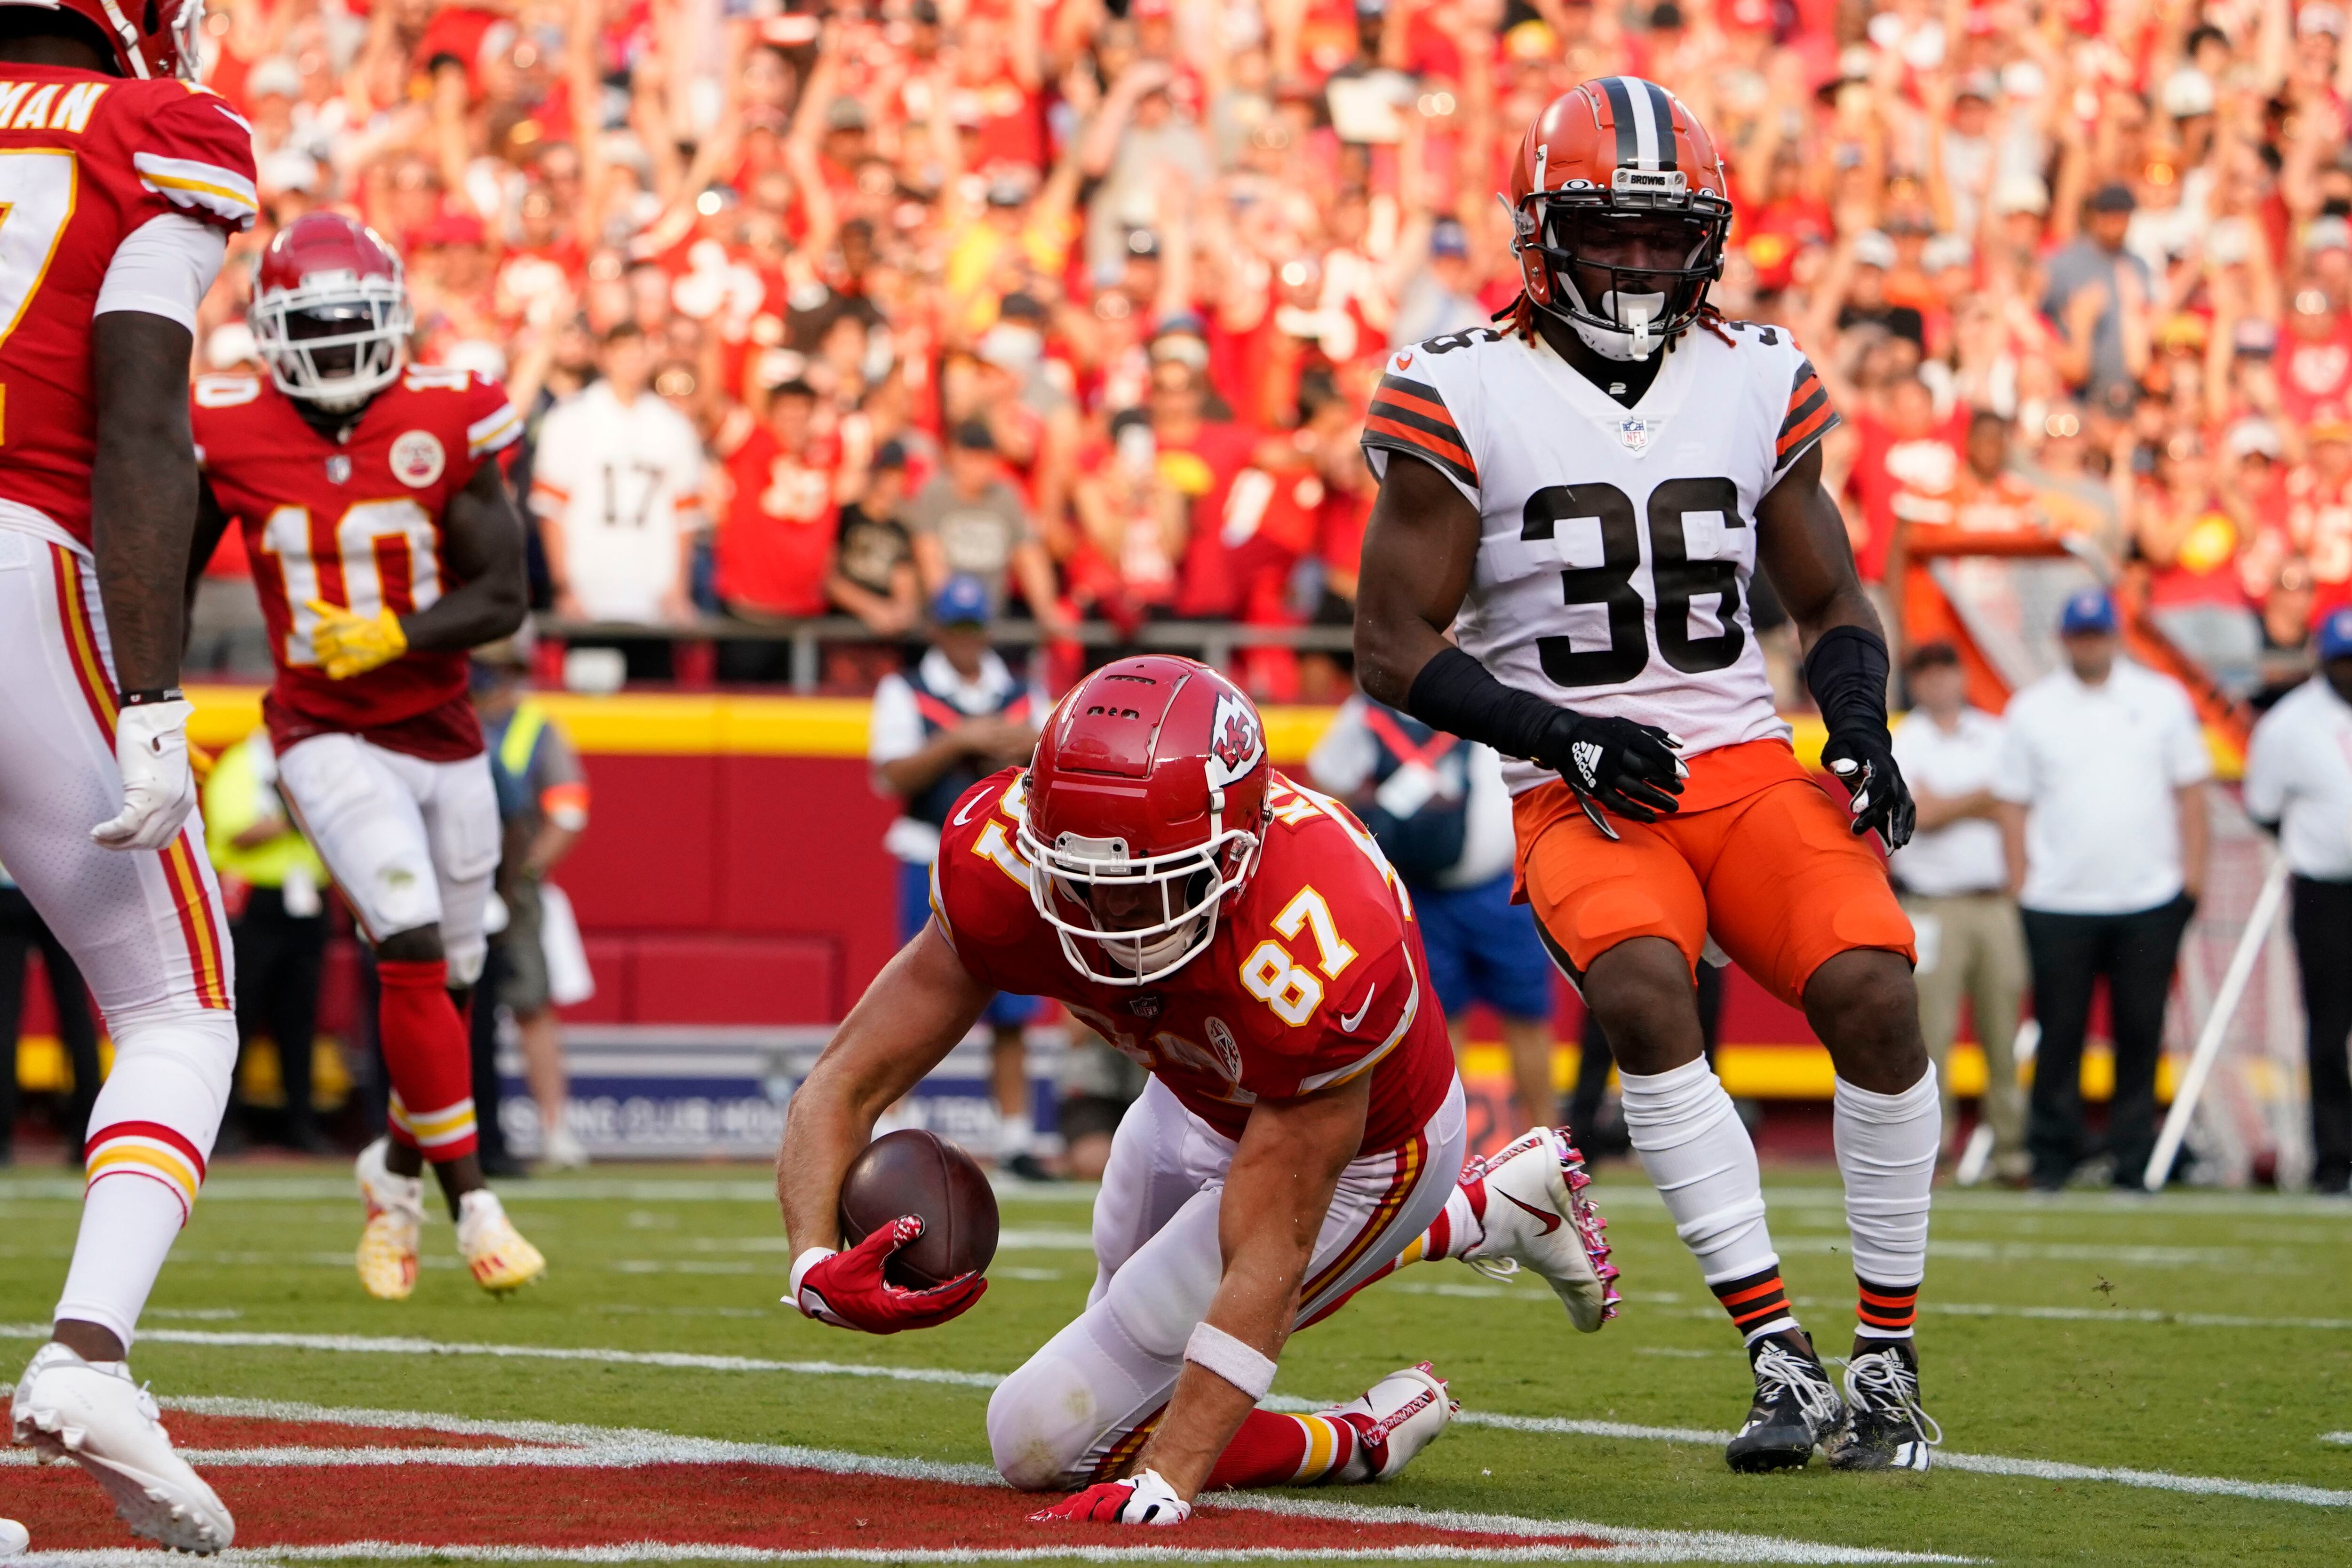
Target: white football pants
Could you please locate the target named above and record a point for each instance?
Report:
(1080, 1407)
(410, 843)
(146, 928)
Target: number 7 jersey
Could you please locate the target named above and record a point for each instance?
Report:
(87, 161)
(1615, 544)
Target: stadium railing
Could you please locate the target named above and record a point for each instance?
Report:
(1212, 642)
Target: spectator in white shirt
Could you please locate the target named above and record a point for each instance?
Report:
(957, 717)
(2299, 786)
(2103, 790)
(1954, 880)
(616, 482)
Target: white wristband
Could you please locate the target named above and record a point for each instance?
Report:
(1245, 1367)
(806, 1261)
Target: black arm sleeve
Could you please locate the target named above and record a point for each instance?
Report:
(1456, 693)
(1846, 673)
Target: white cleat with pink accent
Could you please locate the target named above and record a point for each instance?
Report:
(1535, 1212)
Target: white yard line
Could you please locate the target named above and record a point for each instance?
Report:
(666, 1551)
(1983, 1464)
(566, 1444)
(1990, 1464)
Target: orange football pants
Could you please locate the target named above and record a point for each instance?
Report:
(1759, 855)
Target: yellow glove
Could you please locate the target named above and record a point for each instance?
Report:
(353, 644)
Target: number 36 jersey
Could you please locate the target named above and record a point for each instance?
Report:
(1313, 978)
(1615, 544)
(357, 524)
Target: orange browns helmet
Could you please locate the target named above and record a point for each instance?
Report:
(1619, 167)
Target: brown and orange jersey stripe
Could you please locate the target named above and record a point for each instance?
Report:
(1409, 417)
(1809, 417)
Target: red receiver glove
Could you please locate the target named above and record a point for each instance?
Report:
(847, 1290)
(1141, 1500)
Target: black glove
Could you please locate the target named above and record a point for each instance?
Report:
(1630, 768)
(1863, 760)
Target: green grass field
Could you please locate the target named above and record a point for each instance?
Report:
(2193, 1336)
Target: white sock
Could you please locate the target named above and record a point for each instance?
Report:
(128, 1226)
(150, 1132)
(1702, 1163)
(1886, 1147)
(1014, 1135)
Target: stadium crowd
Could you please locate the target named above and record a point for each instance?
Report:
(1087, 300)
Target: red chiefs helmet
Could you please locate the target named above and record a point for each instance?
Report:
(329, 313)
(1143, 808)
(147, 37)
(1620, 161)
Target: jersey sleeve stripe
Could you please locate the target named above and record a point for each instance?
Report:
(1816, 424)
(496, 431)
(1397, 436)
(1429, 412)
(188, 184)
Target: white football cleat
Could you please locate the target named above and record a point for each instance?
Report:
(15, 1539)
(91, 1412)
(1394, 1419)
(1536, 1213)
(395, 1214)
(494, 1250)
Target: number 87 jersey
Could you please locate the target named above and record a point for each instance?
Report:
(1615, 544)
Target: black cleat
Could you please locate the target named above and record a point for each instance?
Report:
(1885, 1429)
(1796, 1406)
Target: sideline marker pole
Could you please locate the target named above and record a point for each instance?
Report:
(2217, 1025)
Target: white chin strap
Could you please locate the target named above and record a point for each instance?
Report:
(1638, 338)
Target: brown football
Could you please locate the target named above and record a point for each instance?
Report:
(914, 1172)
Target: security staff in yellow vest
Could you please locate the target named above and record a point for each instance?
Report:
(271, 883)
(543, 800)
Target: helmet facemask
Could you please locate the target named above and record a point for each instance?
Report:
(334, 341)
(1130, 920)
(1665, 245)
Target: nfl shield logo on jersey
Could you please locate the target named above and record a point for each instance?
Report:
(1634, 434)
(338, 469)
(1226, 1050)
(416, 459)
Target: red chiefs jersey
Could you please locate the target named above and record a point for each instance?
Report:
(92, 159)
(356, 524)
(780, 524)
(1315, 973)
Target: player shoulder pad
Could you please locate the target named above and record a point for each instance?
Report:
(1427, 405)
(980, 883)
(469, 399)
(1788, 393)
(193, 151)
(1316, 845)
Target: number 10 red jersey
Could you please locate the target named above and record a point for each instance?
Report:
(356, 524)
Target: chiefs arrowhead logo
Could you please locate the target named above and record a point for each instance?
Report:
(1236, 741)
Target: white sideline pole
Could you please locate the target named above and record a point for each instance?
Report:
(1979, 1153)
(2217, 1025)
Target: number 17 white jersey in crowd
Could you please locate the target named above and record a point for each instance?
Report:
(1615, 544)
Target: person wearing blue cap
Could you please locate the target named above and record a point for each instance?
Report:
(2102, 786)
(2299, 787)
(937, 729)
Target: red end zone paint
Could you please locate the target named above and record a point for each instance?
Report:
(500, 1494)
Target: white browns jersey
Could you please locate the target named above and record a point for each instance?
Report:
(1615, 544)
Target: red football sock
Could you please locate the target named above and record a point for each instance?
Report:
(429, 1059)
(1275, 1451)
